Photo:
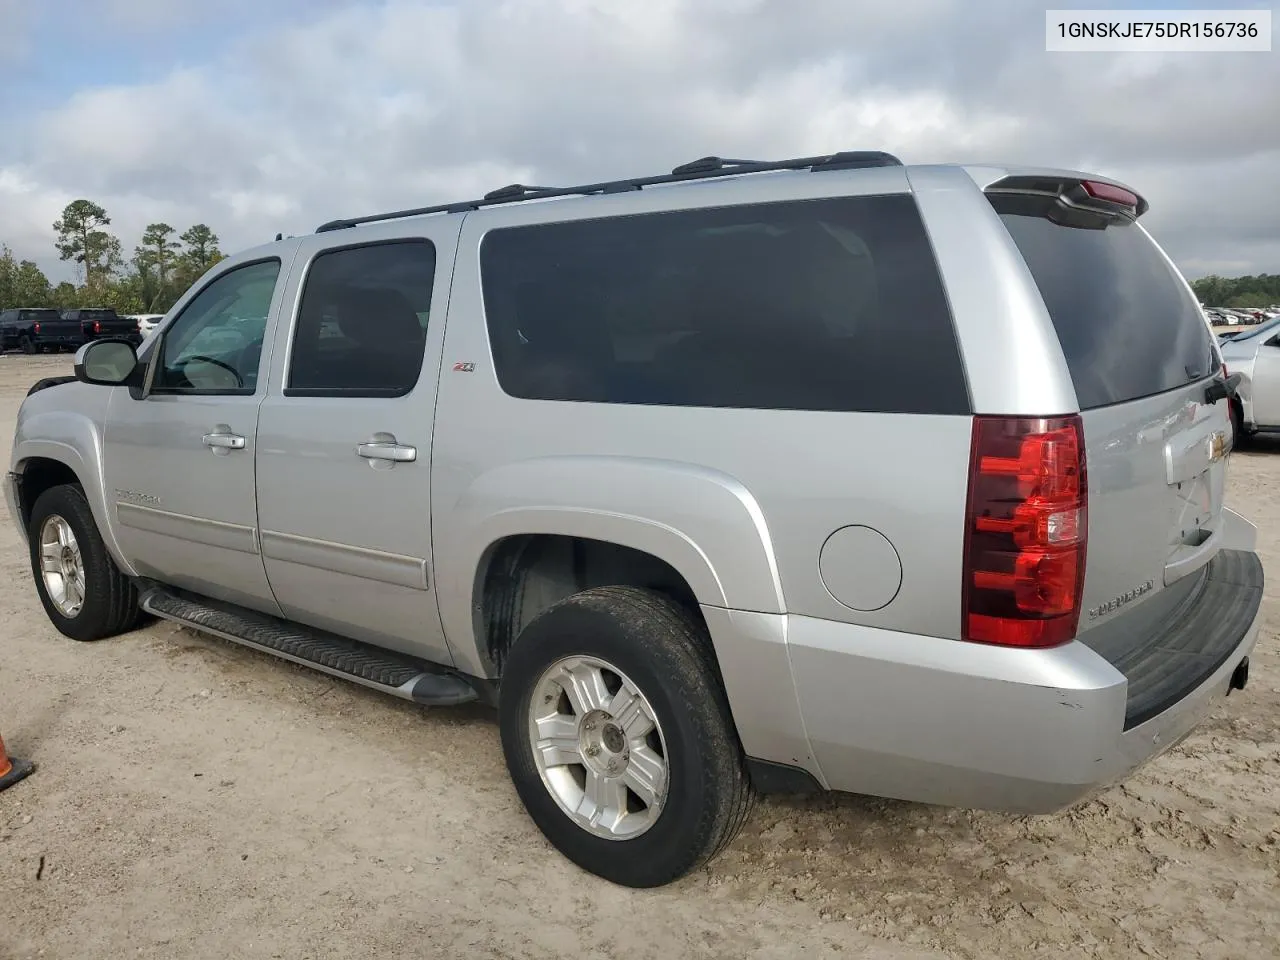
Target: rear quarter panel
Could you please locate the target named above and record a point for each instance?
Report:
(739, 501)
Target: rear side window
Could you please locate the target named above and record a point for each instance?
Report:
(361, 329)
(1127, 325)
(829, 304)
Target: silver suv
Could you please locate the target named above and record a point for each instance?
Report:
(827, 474)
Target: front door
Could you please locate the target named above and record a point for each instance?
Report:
(179, 464)
(344, 439)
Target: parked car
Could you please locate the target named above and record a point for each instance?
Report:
(666, 492)
(37, 330)
(1254, 354)
(102, 323)
(147, 322)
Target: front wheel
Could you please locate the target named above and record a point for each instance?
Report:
(618, 736)
(83, 591)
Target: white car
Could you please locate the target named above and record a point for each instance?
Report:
(147, 322)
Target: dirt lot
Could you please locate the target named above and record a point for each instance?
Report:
(195, 799)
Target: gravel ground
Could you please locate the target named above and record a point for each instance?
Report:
(195, 799)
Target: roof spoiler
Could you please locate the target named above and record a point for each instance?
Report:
(1081, 191)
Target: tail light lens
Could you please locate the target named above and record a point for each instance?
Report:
(97, 327)
(1110, 192)
(35, 328)
(1026, 527)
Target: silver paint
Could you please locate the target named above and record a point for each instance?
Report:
(739, 502)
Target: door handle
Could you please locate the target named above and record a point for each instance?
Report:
(387, 450)
(224, 441)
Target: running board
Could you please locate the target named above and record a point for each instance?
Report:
(361, 663)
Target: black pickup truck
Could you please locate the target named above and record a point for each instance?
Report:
(100, 323)
(37, 329)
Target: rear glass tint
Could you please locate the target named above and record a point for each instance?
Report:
(816, 305)
(1127, 325)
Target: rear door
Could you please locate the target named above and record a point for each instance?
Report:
(1140, 355)
(344, 441)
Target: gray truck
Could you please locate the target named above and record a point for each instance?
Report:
(822, 474)
(103, 323)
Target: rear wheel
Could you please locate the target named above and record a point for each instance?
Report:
(27, 346)
(618, 737)
(83, 591)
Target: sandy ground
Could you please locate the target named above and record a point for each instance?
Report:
(195, 799)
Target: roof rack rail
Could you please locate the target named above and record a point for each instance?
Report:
(702, 169)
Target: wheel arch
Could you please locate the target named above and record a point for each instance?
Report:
(42, 463)
(692, 533)
(701, 524)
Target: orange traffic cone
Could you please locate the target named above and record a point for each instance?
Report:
(12, 769)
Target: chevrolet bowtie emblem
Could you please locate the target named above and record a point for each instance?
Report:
(1217, 446)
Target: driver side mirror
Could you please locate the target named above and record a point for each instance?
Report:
(106, 363)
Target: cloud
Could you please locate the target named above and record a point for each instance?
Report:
(360, 106)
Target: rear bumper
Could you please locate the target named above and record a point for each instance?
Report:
(1025, 731)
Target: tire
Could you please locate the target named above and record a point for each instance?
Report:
(646, 643)
(109, 604)
(27, 346)
(1239, 433)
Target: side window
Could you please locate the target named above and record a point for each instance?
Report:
(797, 305)
(362, 322)
(215, 344)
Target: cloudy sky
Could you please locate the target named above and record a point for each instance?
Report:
(258, 116)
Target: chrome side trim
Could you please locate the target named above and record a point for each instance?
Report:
(214, 533)
(363, 562)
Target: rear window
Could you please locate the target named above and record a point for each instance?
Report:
(40, 314)
(1127, 325)
(813, 305)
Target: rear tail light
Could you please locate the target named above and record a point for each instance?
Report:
(97, 327)
(1026, 527)
(35, 328)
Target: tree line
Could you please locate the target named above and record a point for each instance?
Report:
(164, 264)
(1260, 291)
